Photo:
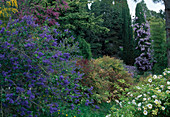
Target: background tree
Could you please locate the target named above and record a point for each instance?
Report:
(158, 35)
(127, 35)
(81, 23)
(167, 17)
(110, 41)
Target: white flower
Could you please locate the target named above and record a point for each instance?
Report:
(150, 80)
(163, 108)
(117, 101)
(149, 98)
(144, 99)
(155, 76)
(159, 91)
(133, 102)
(162, 86)
(128, 102)
(145, 112)
(139, 96)
(128, 93)
(108, 115)
(139, 104)
(167, 71)
(144, 95)
(157, 101)
(120, 104)
(168, 83)
(139, 108)
(164, 73)
(160, 76)
(167, 91)
(154, 96)
(148, 92)
(168, 87)
(108, 101)
(149, 106)
(131, 95)
(138, 87)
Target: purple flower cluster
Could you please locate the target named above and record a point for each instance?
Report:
(145, 61)
(38, 76)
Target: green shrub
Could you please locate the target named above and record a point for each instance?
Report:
(106, 76)
(150, 97)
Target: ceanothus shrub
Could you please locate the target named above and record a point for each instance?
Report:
(38, 74)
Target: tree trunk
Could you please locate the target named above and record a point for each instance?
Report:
(167, 15)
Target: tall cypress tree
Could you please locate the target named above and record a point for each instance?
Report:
(127, 35)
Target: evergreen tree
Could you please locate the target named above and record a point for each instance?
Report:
(81, 23)
(110, 41)
(158, 35)
(127, 35)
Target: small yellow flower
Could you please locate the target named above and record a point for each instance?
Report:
(66, 114)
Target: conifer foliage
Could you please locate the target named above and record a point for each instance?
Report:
(127, 34)
(158, 34)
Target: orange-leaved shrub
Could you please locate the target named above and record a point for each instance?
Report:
(107, 77)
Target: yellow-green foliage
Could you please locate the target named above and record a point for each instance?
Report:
(6, 11)
(108, 78)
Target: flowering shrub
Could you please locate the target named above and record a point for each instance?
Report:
(107, 76)
(42, 9)
(38, 76)
(7, 8)
(145, 60)
(150, 97)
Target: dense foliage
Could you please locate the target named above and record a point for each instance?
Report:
(107, 43)
(107, 76)
(37, 74)
(149, 98)
(47, 65)
(158, 36)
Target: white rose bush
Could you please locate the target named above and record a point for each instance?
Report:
(150, 97)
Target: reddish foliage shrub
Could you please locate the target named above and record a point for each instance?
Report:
(42, 9)
(107, 76)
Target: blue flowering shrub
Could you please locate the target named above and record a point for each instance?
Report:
(149, 98)
(38, 76)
